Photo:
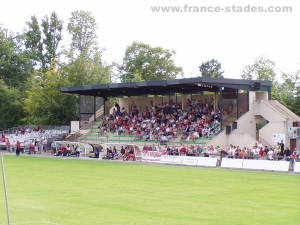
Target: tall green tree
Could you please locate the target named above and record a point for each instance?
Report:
(85, 70)
(15, 65)
(33, 41)
(52, 30)
(262, 69)
(42, 40)
(11, 106)
(143, 62)
(290, 91)
(82, 27)
(46, 104)
(211, 69)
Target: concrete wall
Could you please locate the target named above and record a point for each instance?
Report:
(267, 111)
(275, 127)
(261, 95)
(259, 110)
(283, 110)
(74, 126)
(236, 139)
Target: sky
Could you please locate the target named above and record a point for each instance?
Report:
(235, 39)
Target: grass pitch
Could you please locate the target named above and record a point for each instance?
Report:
(71, 191)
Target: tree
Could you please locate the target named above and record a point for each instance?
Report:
(143, 62)
(11, 106)
(82, 27)
(33, 41)
(290, 91)
(46, 104)
(42, 41)
(262, 69)
(211, 69)
(15, 65)
(52, 30)
(84, 70)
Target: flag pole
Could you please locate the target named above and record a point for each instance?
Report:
(5, 192)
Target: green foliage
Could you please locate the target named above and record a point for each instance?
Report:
(262, 69)
(15, 66)
(11, 109)
(82, 27)
(46, 104)
(143, 62)
(211, 69)
(33, 41)
(42, 41)
(84, 70)
(290, 91)
(52, 30)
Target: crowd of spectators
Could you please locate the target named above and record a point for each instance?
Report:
(257, 152)
(126, 153)
(164, 121)
(65, 149)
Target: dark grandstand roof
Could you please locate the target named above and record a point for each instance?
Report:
(165, 87)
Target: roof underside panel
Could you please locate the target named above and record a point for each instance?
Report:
(165, 87)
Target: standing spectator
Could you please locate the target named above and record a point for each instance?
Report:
(18, 148)
(270, 154)
(294, 158)
(261, 153)
(53, 148)
(118, 108)
(255, 152)
(41, 145)
(8, 145)
(281, 144)
(287, 154)
(45, 144)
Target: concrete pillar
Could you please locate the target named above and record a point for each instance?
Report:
(184, 101)
(107, 107)
(129, 101)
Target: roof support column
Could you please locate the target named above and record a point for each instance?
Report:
(221, 108)
(107, 106)
(183, 101)
(155, 101)
(129, 104)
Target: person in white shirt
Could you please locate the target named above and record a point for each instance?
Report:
(231, 151)
(255, 152)
(270, 154)
(260, 145)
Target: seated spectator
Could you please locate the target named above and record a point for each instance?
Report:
(130, 155)
(31, 149)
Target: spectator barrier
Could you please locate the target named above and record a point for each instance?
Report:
(169, 159)
(297, 167)
(207, 161)
(189, 160)
(266, 165)
(232, 163)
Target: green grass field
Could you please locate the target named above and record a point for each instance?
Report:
(72, 191)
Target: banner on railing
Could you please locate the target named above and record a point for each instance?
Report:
(151, 156)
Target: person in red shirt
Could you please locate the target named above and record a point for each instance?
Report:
(261, 152)
(18, 148)
(182, 150)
